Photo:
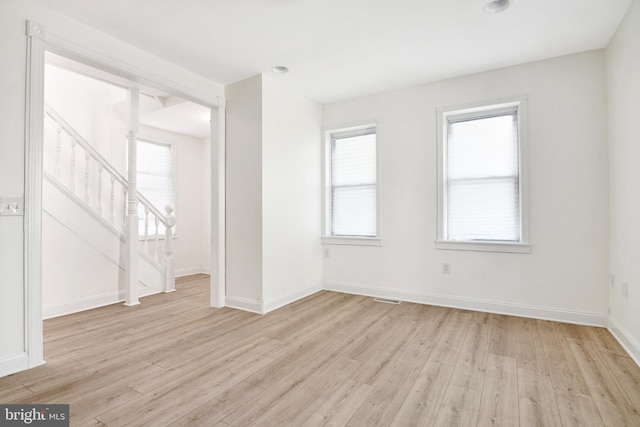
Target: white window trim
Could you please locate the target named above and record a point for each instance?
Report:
(523, 246)
(327, 238)
(171, 145)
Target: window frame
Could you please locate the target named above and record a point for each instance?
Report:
(480, 110)
(344, 130)
(171, 146)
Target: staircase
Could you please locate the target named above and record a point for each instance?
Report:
(86, 251)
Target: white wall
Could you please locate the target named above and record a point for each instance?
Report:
(623, 71)
(244, 194)
(291, 200)
(87, 105)
(566, 274)
(273, 195)
(12, 107)
(13, 45)
(192, 193)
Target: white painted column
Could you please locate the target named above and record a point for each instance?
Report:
(34, 137)
(131, 226)
(218, 222)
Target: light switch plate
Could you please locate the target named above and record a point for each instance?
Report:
(11, 206)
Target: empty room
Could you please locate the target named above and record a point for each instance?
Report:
(300, 212)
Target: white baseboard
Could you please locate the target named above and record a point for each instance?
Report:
(626, 340)
(289, 298)
(12, 364)
(181, 272)
(81, 304)
(91, 302)
(243, 304)
(535, 312)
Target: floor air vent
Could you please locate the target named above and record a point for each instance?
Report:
(388, 301)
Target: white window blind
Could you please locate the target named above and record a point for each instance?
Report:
(155, 180)
(354, 183)
(482, 176)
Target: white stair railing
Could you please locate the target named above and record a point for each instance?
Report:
(95, 172)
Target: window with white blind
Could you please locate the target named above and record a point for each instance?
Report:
(482, 195)
(155, 181)
(352, 187)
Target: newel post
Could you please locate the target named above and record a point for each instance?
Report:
(170, 270)
(131, 288)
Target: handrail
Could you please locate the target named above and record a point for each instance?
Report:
(146, 203)
(83, 142)
(105, 163)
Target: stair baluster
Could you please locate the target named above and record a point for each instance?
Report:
(72, 168)
(87, 157)
(112, 200)
(99, 204)
(58, 150)
(146, 229)
(157, 246)
(123, 209)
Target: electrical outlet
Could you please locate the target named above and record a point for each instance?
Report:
(327, 254)
(625, 289)
(11, 206)
(446, 268)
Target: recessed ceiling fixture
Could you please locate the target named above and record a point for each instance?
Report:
(496, 6)
(279, 69)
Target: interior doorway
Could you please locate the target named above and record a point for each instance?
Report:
(39, 42)
(84, 185)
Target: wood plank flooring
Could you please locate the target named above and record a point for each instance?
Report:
(328, 360)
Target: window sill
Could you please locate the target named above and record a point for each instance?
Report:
(353, 241)
(518, 248)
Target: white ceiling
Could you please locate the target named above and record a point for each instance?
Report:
(338, 49)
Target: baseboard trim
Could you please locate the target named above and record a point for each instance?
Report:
(88, 303)
(520, 310)
(289, 298)
(626, 340)
(191, 271)
(81, 304)
(12, 364)
(244, 304)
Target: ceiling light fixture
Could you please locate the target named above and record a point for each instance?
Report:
(279, 69)
(496, 6)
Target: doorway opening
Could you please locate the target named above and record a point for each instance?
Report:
(84, 186)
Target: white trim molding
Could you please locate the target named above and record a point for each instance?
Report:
(81, 304)
(518, 248)
(190, 271)
(12, 364)
(341, 131)
(517, 104)
(626, 340)
(286, 299)
(244, 304)
(497, 307)
(34, 134)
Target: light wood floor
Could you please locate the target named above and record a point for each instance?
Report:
(330, 359)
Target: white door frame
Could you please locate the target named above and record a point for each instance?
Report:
(38, 42)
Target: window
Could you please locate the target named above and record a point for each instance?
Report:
(352, 194)
(155, 180)
(482, 197)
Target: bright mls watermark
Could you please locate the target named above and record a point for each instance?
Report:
(34, 415)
